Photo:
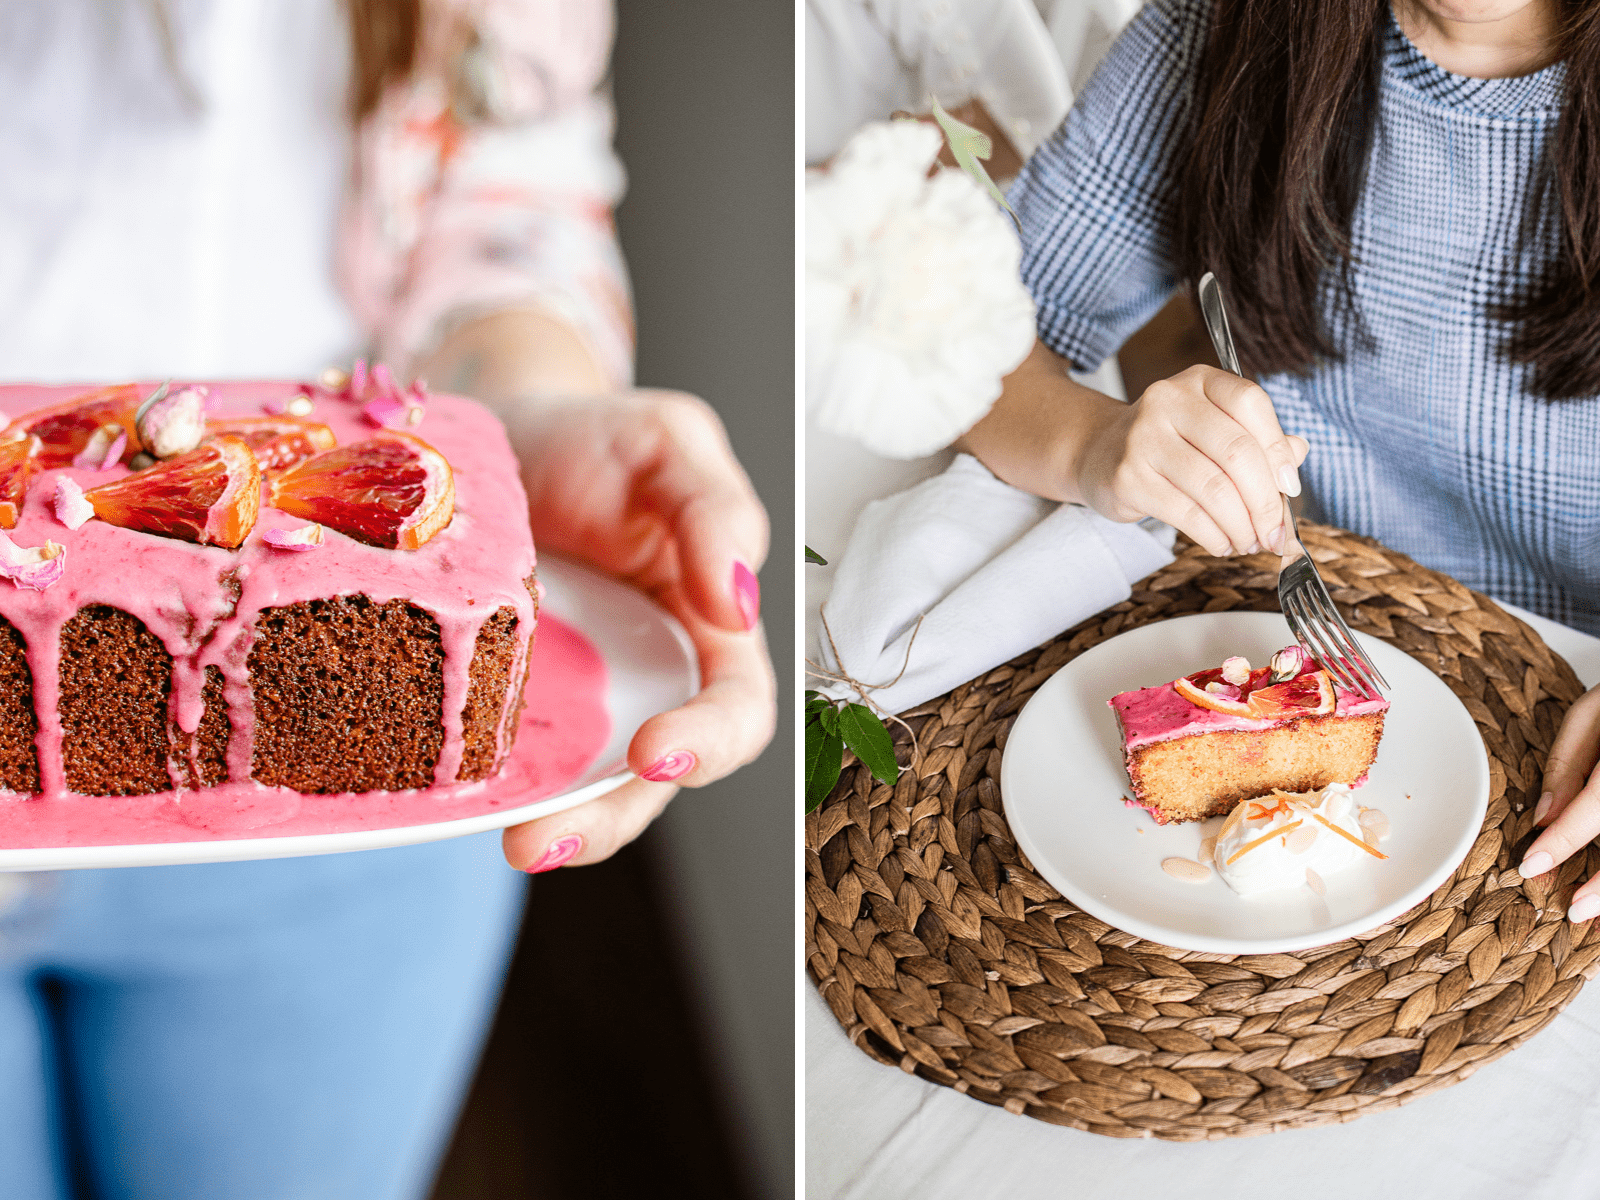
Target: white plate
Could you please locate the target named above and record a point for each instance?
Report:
(651, 666)
(1062, 781)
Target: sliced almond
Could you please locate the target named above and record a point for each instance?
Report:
(1301, 840)
(1374, 824)
(1186, 869)
(1208, 850)
(1314, 882)
(1234, 818)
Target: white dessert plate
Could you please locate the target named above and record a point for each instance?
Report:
(1063, 783)
(650, 664)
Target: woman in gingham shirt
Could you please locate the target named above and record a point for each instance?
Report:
(1404, 211)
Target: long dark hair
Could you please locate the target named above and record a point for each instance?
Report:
(1284, 114)
(383, 38)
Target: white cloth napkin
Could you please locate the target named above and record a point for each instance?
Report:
(991, 570)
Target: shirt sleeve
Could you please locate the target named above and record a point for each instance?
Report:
(1095, 201)
(486, 181)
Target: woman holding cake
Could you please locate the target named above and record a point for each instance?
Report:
(1399, 206)
(253, 189)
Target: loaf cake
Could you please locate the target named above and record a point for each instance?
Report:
(239, 587)
(1200, 745)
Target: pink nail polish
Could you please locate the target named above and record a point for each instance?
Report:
(669, 766)
(746, 594)
(1584, 908)
(557, 854)
(1543, 807)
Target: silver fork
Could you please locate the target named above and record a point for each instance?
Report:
(1312, 616)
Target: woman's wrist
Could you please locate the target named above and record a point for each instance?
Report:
(513, 358)
(1040, 432)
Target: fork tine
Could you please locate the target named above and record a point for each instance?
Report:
(1360, 664)
(1327, 647)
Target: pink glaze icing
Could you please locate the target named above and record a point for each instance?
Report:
(461, 576)
(1160, 714)
(564, 725)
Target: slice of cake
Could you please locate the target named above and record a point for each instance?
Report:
(235, 590)
(1197, 746)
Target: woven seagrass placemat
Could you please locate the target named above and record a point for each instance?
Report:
(941, 951)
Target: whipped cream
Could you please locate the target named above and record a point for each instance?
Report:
(1268, 844)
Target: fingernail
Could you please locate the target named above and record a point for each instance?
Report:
(1584, 907)
(747, 595)
(1288, 481)
(557, 854)
(1535, 864)
(1543, 807)
(1275, 540)
(669, 766)
(1255, 548)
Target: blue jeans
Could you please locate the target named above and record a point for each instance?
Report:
(295, 1029)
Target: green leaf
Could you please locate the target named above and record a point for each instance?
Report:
(865, 734)
(816, 701)
(828, 717)
(968, 145)
(813, 557)
(824, 757)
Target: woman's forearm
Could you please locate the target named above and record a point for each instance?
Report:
(1038, 431)
(514, 358)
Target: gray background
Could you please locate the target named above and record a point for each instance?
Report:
(705, 101)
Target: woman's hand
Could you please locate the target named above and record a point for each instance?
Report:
(1202, 451)
(644, 487)
(1571, 801)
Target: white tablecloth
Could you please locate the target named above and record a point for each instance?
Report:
(1526, 1126)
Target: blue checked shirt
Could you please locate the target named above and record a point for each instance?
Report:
(1427, 438)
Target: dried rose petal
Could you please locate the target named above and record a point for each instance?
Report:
(392, 412)
(104, 450)
(358, 379)
(72, 510)
(173, 425)
(1288, 663)
(1236, 670)
(299, 405)
(307, 537)
(33, 567)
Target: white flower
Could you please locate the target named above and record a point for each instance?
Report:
(915, 308)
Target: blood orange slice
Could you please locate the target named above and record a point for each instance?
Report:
(391, 490)
(278, 442)
(210, 495)
(64, 429)
(1308, 695)
(1228, 698)
(17, 460)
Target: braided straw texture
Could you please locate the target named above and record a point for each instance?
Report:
(942, 952)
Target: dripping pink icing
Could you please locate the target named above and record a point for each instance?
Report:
(467, 571)
(564, 725)
(1159, 714)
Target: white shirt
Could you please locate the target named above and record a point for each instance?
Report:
(171, 210)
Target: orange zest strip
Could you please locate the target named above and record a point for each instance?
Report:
(1264, 838)
(1348, 838)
